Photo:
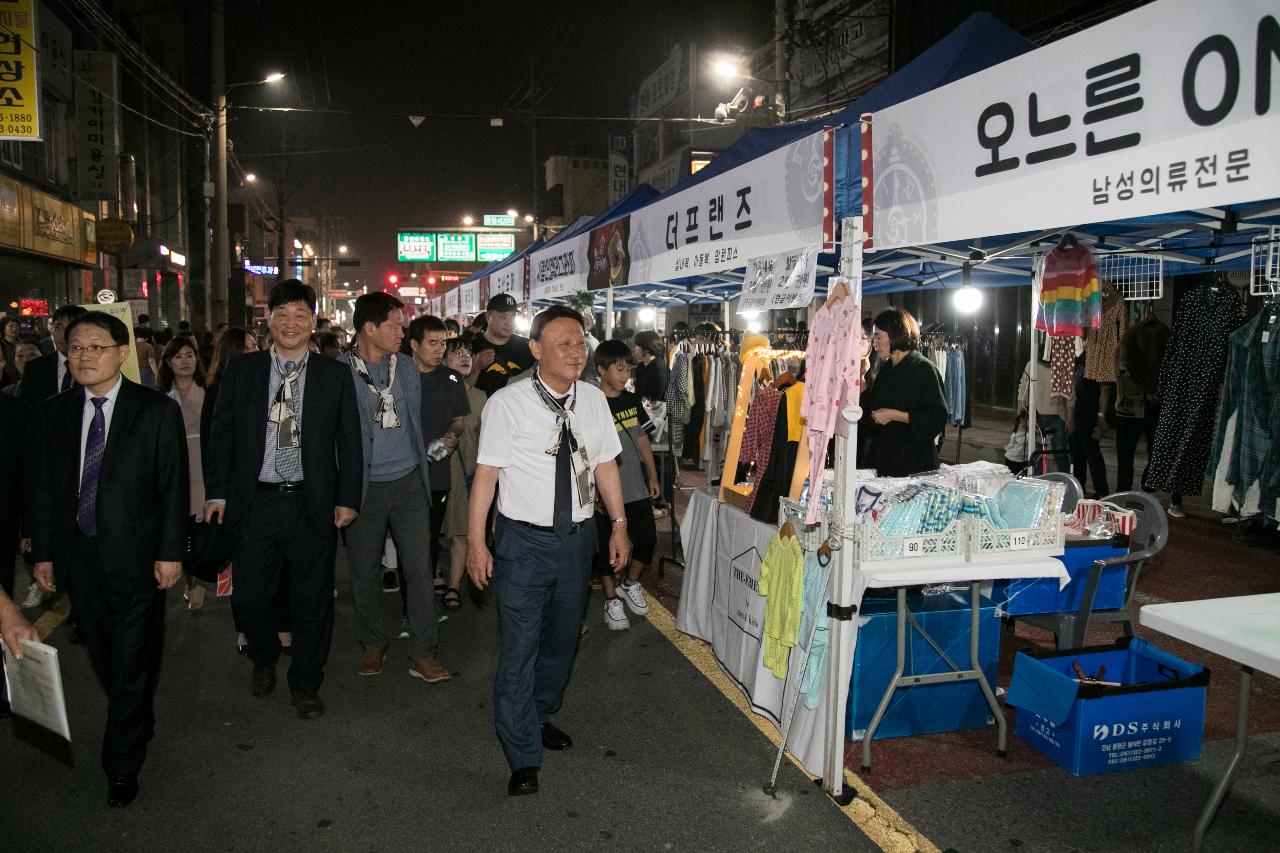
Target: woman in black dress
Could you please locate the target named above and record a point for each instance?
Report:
(906, 405)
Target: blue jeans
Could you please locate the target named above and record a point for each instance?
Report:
(542, 583)
(1055, 428)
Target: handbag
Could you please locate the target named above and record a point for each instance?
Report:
(208, 550)
(1015, 449)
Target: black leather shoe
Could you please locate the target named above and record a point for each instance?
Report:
(121, 790)
(523, 781)
(554, 739)
(263, 682)
(308, 704)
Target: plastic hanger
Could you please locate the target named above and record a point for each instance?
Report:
(839, 292)
(1068, 241)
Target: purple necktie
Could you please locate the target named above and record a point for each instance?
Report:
(87, 513)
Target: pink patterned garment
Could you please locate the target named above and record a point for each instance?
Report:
(757, 435)
(831, 384)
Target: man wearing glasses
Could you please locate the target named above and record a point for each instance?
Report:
(49, 374)
(108, 525)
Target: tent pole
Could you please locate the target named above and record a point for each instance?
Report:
(608, 314)
(1032, 444)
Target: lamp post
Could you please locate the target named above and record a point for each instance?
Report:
(220, 255)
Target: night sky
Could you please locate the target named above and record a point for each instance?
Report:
(355, 59)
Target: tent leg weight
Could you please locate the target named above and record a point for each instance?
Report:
(848, 795)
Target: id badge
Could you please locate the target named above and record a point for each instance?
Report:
(582, 477)
(285, 435)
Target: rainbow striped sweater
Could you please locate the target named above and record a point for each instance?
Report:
(1070, 294)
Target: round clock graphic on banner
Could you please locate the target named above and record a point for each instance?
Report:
(906, 209)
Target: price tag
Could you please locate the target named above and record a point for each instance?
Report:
(1019, 541)
(913, 547)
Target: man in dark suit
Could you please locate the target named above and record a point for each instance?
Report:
(284, 470)
(50, 373)
(108, 522)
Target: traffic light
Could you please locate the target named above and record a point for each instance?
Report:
(392, 279)
(431, 281)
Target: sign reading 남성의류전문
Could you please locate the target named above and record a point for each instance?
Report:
(1173, 106)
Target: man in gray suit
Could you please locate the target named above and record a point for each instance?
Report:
(397, 493)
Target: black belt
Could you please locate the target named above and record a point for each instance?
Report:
(264, 486)
(542, 528)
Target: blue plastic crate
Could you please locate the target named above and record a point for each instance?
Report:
(1155, 717)
(1025, 596)
(927, 707)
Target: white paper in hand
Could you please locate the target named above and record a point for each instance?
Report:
(35, 687)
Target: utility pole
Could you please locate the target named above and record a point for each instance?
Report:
(218, 84)
(781, 95)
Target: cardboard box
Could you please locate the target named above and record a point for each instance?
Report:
(927, 707)
(1025, 596)
(1155, 717)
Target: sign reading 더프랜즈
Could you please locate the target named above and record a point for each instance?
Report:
(1173, 106)
(772, 204)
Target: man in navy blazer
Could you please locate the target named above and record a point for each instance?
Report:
(108, 523)
(282, 471)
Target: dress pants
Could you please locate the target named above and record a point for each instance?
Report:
(403, 506)
(1086, 452)
(1129, 431)
(122, 627)
(278, 531)
(542, 583)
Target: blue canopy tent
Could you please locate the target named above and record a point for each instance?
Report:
(981, 41)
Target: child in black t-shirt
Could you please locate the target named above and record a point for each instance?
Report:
(639, 485)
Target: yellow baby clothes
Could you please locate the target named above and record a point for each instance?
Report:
(782, 584)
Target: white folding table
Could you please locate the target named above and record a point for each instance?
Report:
(1244, 629)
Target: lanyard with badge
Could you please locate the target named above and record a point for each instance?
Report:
(564, 426)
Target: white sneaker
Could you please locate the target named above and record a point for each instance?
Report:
(1175, 511)
(615, 616)
(632, 595)
(35, 596)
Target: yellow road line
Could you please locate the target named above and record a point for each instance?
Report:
(872, 815)
(53, 617)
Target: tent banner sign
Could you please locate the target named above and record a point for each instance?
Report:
(469, 297)
(1173, 106)
(780, 281)
(509, 279)
(774, 203)
(560, 270)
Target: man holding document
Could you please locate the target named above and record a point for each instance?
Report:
(14, 629)
(108, 526)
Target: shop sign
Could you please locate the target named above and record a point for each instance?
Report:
(405, 292)
(509, 279)
(105, 296)
(54, 53)
(774, 203)
(469, 297)
(10, 213)
(114, 236)
(97, 124)
(260, 269)
(33, 307)
(455, 247)
(493, 247)
(559, 270)
(1173, 106)
(499, 220)
(786, 280)
(415, 247)
(661, 87)
(19, 72)
(619, 168)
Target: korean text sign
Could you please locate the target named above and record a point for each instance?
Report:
(19, 80)
(1173, 106)
(769, 205)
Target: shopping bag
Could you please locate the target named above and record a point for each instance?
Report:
(1015, 449)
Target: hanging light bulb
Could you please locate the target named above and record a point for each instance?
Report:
(967, 299)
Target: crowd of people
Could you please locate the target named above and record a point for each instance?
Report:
(301, 438)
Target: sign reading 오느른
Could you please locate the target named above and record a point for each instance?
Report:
(1173, 106)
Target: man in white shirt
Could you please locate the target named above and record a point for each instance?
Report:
(547, 442)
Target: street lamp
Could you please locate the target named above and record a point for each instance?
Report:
(468, 219)
(511, 211)
(528, 217)
(726, 69)
(220, 259)
(250, 177)
(342, 250)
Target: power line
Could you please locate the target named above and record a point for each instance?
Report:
(456, 116)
